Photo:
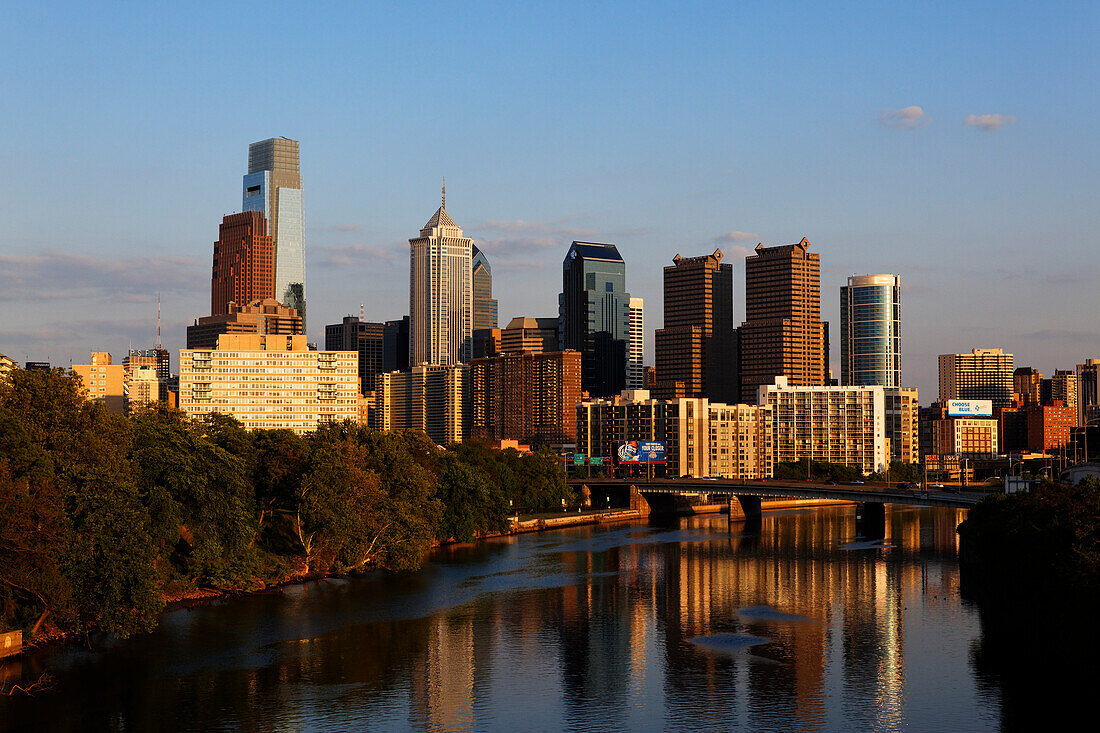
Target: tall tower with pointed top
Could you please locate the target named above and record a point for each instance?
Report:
(441, 296)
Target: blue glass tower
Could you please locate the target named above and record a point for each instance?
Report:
(870, 331)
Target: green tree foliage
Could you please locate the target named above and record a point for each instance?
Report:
(1047, 538)
(101, 514)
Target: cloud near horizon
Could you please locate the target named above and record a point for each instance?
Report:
(989, 122)
(67, 276)
(906, 118)
(349, 255)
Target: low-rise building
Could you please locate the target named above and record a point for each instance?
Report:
(701, 438)
(142, 385)
(968, 437)
(429, 397)
(834, 424)
(270, 381)
(104, 381)
(1049, 426)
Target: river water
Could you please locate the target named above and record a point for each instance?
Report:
(797, 624)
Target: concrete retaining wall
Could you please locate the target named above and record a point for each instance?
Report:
(11, 642)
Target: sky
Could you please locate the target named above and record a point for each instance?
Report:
(952, 143)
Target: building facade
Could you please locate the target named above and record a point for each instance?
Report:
(1028, 384)
(966, 437)
(7, 365)
(363, 337)
(902, 424)
(1050, 426)
(270, 381)
(783, 334)
(395, 345)
(1063, 388)
(702, 438)
(103, 381)
(528, 335)
(594, 313)
(845, 424)
(261, 317)
(696, 349)
(441, 296)
(1088, 391)
(983, 374)
(273, 187)
(530, 397)
(485, 305)
(870, 331)
(635, 370)
(243, 269)
(429, 397)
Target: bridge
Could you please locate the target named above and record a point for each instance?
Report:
(744, 496)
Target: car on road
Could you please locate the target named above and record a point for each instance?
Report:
(857, 482)
(951, 489)
(830, 482)
(907, 486)
(938, 487)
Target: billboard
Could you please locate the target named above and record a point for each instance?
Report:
(970, 408)
(641, 452)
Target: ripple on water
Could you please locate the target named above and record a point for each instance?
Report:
(768, 614)
(727, 642)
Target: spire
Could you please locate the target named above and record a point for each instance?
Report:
(444, 206)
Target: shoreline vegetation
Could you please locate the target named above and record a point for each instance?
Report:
(105, 519)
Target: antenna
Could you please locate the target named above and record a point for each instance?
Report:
(159, 347)
(360, 311)
(444, 206)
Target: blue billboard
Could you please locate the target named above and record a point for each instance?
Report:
(641, 452)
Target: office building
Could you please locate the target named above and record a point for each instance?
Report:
(966, 437)
(142, 387)
(1088, 391)
(395, 345)
(1063, 388)
(594, 313)
(273, 187)
(487, 342)
(526, 396)
(441, 304)
(270, 381)
(429, 397)
(902, 424)
(529, 336)
(104, 381)
(783, 334)
(636, 351)
(36, 366)
(1050, 426)
(1027, 383)
(983, 374)
(363, 337)
(845, 424)
(696, 350)
(702, 438)
(158, 359)
(870, 331)
(485, 305)
(243, 269)
(263, 317)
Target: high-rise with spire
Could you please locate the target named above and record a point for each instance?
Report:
(441, 296)
(273, 186)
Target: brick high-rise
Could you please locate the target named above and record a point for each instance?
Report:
(695, 351)
(526, 396)
(244, 265)
(782, 334)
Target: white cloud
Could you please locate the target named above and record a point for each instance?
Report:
(348, 255)
(734, 236)
(68, 276)
(989, 122)
(906, 118)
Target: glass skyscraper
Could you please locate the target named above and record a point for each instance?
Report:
(485, 305)
(594, 313)
(870, 331)
(273, 186)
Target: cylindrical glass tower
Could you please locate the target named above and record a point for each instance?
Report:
(870, 331)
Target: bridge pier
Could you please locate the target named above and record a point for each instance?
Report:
(871, 520)
(638, 502)
(744, 508)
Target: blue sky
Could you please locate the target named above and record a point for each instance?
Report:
(661, 129)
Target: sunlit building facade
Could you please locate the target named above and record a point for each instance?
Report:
(870, 331)
(269, 381)
(104, 381)
(428, 397)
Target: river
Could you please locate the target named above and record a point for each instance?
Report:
(685, 624)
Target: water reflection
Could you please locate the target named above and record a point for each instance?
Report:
(588, 629)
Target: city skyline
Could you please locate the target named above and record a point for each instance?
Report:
(958, 188)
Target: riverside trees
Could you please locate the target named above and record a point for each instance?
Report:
(101, 515)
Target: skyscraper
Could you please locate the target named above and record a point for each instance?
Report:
(273, 186)
(243, 269)
(441, 297)
(485, 305)
(870, 331)
(362, 337)
(696, 352)
(635, 372)
(782, 334)
(1027, 383)
(983, 374)
(594, 310)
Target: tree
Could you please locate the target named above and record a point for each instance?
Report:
(472, 502)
